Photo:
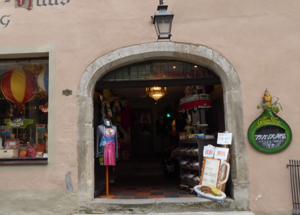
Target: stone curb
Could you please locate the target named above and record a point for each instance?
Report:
(192, 213)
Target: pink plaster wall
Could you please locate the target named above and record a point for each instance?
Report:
(259, 38)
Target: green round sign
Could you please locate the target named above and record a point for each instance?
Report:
(269, 133)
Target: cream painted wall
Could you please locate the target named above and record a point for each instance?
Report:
(259, 38)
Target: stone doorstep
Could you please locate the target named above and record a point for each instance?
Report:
(174, 206)
(191, 213)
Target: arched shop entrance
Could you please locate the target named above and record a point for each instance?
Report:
(151, 155)
(113, 69)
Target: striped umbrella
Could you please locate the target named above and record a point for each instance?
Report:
(18, 86)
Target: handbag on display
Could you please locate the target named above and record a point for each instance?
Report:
(31, 151)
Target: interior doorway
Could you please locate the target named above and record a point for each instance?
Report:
(149, 159)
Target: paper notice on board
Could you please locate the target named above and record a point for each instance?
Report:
(211, 172)
(221, 153)
(208, 151)
(224, 138)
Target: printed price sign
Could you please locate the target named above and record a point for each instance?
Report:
(208, 151)
(224, 138)
(221, 153)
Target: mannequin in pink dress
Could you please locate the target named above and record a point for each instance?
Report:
(107, 142)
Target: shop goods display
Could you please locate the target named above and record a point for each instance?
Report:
(18, 86)
(43, 81)
(194, 102)
(191, 157)
(210, 192)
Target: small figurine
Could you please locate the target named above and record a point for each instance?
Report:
(267, 103)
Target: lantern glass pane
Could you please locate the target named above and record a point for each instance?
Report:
(164, 24)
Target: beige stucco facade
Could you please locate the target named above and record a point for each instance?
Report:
(251, 45)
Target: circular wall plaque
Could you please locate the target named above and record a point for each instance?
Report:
(269, 133)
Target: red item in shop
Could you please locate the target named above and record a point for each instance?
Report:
(23, 154)
(126, 119)
(31, 151)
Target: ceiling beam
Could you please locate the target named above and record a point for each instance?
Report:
(159, 82)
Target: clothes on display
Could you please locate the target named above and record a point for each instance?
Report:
(107, 143)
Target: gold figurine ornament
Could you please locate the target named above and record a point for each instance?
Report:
(267, 103)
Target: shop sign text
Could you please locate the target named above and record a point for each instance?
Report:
(28, 5)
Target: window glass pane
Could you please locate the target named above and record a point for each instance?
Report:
(24, 108)
(158, 70)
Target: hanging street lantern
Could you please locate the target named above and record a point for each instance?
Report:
(163, 21)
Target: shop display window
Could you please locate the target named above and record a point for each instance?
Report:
(24, 110)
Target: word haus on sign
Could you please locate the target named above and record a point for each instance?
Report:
(28, 4)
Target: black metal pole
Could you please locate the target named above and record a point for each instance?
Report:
(297, 188)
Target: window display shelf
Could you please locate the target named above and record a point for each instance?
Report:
(23, 161)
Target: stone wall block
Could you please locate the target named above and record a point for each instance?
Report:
(205, 55)
(88, 74)
(86, 132)
(129, 51)
(85, 110)
(86, 171)
(228, 69)
(157, 50)
(234, 117)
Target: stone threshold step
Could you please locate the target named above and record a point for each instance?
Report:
(191, 213)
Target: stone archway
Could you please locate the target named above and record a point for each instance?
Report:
(197, 54)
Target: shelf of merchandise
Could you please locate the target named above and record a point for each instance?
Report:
(199, 143)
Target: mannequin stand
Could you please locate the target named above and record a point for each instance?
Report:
(107, 196)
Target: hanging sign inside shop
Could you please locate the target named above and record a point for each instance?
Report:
(28, 5)
(19, 122)
(224, 138)
(269, 133)
(221, 153)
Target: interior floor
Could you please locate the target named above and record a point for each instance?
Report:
(143, 178)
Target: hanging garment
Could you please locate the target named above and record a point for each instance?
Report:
(109, 155)
(107, 141)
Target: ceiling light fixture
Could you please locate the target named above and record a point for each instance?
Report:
(156, 92)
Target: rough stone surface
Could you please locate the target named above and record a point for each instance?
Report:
(69, 184)
(160, 206)
(200, 213)
(33, 202)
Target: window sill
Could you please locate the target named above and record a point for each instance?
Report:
(23, 161)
